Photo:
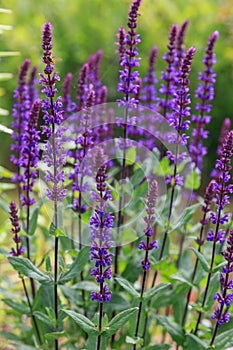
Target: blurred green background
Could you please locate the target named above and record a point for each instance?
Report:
(83, 26)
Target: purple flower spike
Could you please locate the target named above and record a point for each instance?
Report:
(149, 220)
(170, 76)
(205, 93)
(222, 189)
(30, 154)
(129, 83)
(21, 109)
(225, 297)
(67, 103)
(101, 223)
(178, 118)
(180, 42)
(18, 250)
(150, 80)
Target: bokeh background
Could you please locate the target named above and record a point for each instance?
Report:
(81, 27)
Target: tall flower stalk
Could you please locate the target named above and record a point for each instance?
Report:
(18, 251)
(208, 199)
(169, 76)
(129, 85)
(225, 297)
(178, 120)
(223, 189)
(100, 224)
(54, 157)
(147, 245)
(29, 159)
(205, 94)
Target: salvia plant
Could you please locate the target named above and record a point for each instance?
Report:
(112, 244)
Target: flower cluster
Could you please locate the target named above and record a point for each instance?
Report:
(101, 224)
(19, 250)
(224, 298)
(82, 144)
(53, 113)
(54, 156)
(129, 83)
(149, 220)
(178, 118)
(68, 105)
(149, 91)
(30, 154)
(170, 76)
(21, 109)
(223, 189)
(205, 93)
(180, 42)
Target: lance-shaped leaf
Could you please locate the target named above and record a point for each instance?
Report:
(119, 320)
(26, 267)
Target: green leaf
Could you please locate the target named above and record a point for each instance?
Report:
(133, 340)
(33, 222)
(175, 331)
(26, 267)
(127, 286)
(155, 290)
(202, 260)
(179, 276)
(77, 266)
(194, 342)
(84, 323)
(219, 267)
(59, 232)
(192, 181)
(213, 288)
(55, 335)
(118, 303)
(88, 286)
(137, 177)
(5, 173)
(188, 213)
(22, 308)
(43, 317)
(158, 347)
(119, 320)
(223, 340)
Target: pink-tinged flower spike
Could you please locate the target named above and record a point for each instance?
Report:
(19, 249)
(169, 76)
(94, 62)
(21, 109)
(148, 90)
(222, 191)
(180, 42)
(205, 94)
(225, 296)
(208, 200)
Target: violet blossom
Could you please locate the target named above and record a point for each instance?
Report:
(223, 190)
(225, 296)
(150, 80)
(178, 119)
(30, 154)
(101, 224)
(21, 109)
(205, 94)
